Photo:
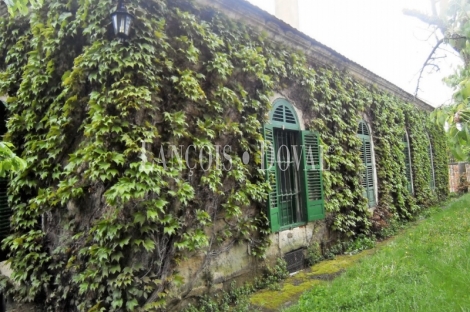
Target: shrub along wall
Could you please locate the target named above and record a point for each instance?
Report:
(99, 222)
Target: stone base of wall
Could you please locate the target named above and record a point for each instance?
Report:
(207, 273)
(236, 265)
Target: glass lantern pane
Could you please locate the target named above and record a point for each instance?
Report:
(115, 24)
(122, 25)
(128, 25)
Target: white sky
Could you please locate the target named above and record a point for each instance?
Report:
(377, 35)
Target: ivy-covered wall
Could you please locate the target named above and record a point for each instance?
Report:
(104, 215)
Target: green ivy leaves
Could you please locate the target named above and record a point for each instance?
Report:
(103, 211)
(8, 160)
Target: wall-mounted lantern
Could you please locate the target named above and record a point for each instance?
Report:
(122, 21)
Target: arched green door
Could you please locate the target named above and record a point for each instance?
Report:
(293, 169)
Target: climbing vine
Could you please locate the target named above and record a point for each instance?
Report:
(108, 206)
(388, 124)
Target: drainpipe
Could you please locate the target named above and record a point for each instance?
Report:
(288, 11)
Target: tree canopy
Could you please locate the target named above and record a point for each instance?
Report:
(451, 19)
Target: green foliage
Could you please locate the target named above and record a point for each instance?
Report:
(234, 300)
(274, 275)
(392, 228)
(314, 254)
(456, 117)
(9, 161)
(423, 269)
(361, 243)
(16, 7)
(102, 217)
(390, 158)
(349, 246)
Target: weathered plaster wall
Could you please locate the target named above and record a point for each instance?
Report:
(237, 264)
(300, 237)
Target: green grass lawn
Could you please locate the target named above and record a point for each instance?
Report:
(426, 268)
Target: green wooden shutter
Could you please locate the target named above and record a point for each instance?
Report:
(5, 212)
(271, 176)
(368, 173)
(406, 151)
(313, 183)
(432, 183)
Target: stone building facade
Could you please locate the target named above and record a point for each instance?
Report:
(300, 205)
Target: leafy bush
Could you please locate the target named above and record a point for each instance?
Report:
(314, 254)
(362, 242)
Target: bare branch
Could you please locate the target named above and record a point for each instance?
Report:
(438, 57)
(435, 67)
(433, 33)
(456, 37)
(427, 63)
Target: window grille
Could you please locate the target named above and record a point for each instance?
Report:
(288, 177)
(295, 260)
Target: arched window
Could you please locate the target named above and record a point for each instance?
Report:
(293, 169)
(368, 180)
(407, 152)
(5, 211)
(283, 115)
(432, 182)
